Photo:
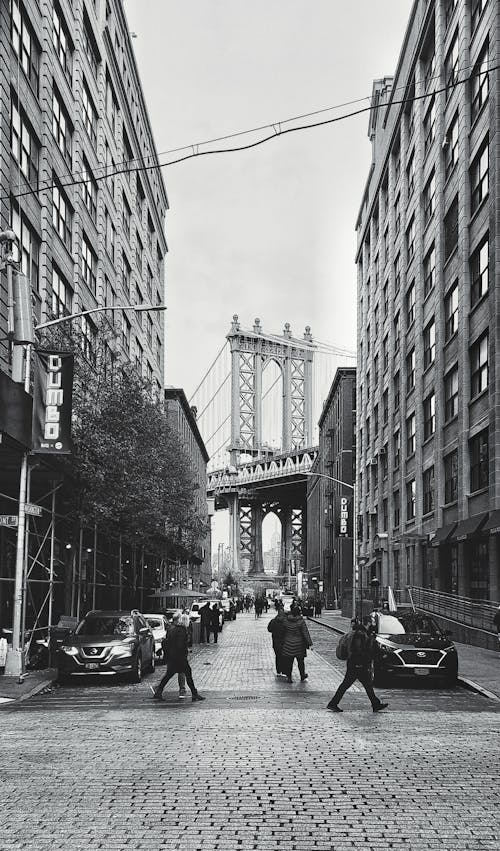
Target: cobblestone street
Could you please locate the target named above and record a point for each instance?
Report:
(259, 765)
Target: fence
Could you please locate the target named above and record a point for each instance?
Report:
(464, 610)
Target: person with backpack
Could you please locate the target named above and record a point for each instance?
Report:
(296, 641)
(177, 660)
(357, 648)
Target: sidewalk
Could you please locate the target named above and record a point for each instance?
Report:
(33, 683)
(478, 669)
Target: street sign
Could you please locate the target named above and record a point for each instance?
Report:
(8, 519)
(34, 510)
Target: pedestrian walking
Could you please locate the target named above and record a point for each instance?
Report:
(258, 607)
(359, 648)
(296, 641)
(205, 618)
(214, 621)
(181, 677)
(276, 627)
(177, 660)
(496, 621)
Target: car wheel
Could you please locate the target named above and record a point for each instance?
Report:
(136, 674)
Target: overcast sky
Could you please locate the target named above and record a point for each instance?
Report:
(265, 233)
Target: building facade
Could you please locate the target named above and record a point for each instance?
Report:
(428, 310)
(330, 544)
(182, 418)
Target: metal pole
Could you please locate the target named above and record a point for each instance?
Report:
(51, 574)
(14, 665)
(94, 582)
(354, 548)
(120, 573)
(79, 590)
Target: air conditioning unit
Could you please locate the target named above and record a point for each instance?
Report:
(372, 462)
(445, 142)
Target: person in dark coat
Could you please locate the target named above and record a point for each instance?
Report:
(214, 621)
(177, 660)
(359, 657)
(296, 640)
(205, 619)
(276, 627)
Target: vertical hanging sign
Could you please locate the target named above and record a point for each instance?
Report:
(343, 505)
(52, 397)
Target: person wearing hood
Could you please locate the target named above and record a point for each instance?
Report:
(296, 640)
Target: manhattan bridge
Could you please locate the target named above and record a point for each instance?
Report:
(258, 406)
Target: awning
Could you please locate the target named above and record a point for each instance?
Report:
(443, 534)
(469, 527)
(493, 524)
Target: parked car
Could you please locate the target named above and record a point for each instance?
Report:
(107, 643)
(229, 610)
(412, 644)
(158, 624)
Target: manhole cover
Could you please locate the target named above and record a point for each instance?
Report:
(244, 697)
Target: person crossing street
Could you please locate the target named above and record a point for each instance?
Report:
(177, 660)
(359, 656)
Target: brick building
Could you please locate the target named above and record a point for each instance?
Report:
(428, 310)
(329, 551)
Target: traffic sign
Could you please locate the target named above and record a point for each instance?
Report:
(34, 510)
(8, 519)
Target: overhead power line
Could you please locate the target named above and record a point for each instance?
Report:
(277, 128)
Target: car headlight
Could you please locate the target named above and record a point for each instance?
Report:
(69, 649)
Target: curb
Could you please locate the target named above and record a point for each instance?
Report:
(41, 686)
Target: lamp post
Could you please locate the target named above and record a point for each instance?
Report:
(14, 665)
(354, 529)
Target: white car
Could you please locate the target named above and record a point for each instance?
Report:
(158, 626)
(194, 614)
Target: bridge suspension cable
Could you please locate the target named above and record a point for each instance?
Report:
(213, 396)
(209, 370)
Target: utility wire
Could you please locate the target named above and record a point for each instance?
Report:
(277, 131)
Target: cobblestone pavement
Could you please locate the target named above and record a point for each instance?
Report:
(259, 765)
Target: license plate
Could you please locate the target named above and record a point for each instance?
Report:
(421, 672)
(91, 666)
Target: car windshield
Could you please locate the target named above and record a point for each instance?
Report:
(154, 623)
(195, 607)
(106, 625)
(415, 623)
(389, 625)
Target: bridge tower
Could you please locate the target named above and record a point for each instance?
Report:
(250, 351)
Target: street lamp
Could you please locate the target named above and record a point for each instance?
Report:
(14, 665)
(354, 529)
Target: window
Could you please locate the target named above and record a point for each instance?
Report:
(479, 84)
(111, 106)
(451, 477)
(429, 415)
(410, 239)
(397, 448)
(429, 343)
(27, 250)
(451, 394)
(89, 115)
(428, 490)
(159, 352)
(397, 165)
(451, 312)
(385, 352)
(151, 231)
(128, 154)
(24, 45)
(149, 331)
(375, 420)
(479, 581)
(410, 305)
(410, 370)
(126, 217)
(429, 126)
(89, 191)
(149, 372)
(90, 50)
(110, 169)
(397, 331)
(110, 237)
(89, 340)
(367, 432)
(376, 320)
(384, 463)
(61, 214)
(451, 146)
(62, 295)
(139, 200)
(479, 178)
(126, 279)
(479, 271)
(61, 41)
(139, 356)
(61, 129)
(397, 273)
(410, 435)
(397, 384)
(449, 8)
(385, 407)
(385, 299)
(109, 293)
(138, 254)
(125, 335)
(397, 215)
(149, 282)
(451, 229)
(479, 461)
(410, 499)
(89, 265)
(430, 67)
(429, 270)
(451, 66)
(397, 508)
(24, 146)
(429, 198)
(476, 12)
(385, 514)
(410, 174)
(479, 366)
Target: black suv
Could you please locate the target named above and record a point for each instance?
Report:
(108, 642)
(411, 644)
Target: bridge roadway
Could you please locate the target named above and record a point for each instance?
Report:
(260, 764)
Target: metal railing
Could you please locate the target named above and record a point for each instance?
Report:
(476, 613)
